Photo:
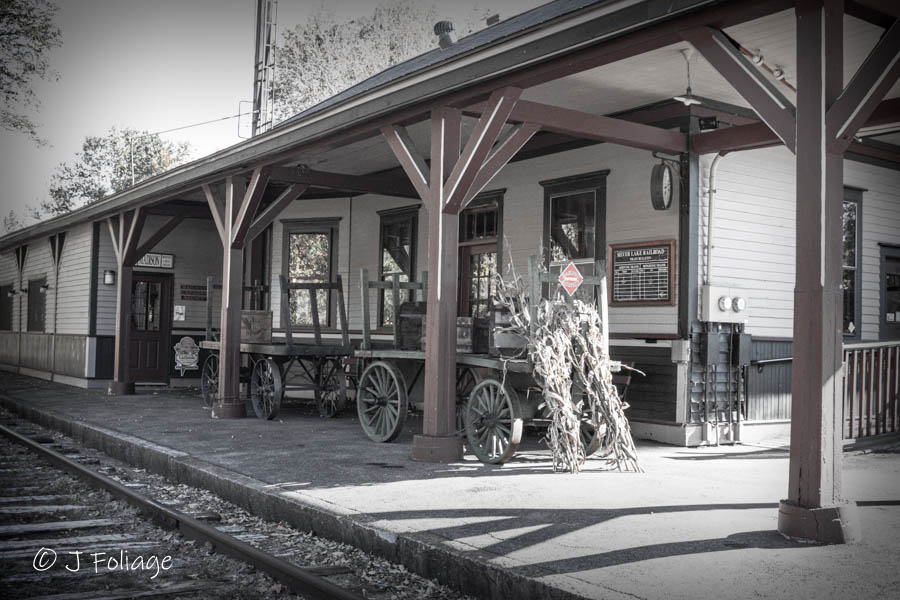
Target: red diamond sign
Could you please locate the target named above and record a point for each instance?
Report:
(570, 279)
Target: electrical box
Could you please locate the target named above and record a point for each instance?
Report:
(721, 304)
(710, 347)
(681, 351)
(741, 345)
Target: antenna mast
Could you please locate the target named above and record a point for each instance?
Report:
(264, 66)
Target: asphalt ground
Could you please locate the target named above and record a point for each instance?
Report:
(698, 523)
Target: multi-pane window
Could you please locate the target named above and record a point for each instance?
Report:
(572, 226)
(479, 234)
(6, 307)
(575, 226)
(309, 257)
(37, 302)
(398, 257)
(849, 263)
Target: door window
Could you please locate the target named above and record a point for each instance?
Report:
(145, 305)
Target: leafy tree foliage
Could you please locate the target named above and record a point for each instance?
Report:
(15, 220)
(325, 56)
(103, 167)
(27, 34)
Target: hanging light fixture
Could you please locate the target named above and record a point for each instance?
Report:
(688, 97)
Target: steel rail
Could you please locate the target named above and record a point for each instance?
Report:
(298, 579)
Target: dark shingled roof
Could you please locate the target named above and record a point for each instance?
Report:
(504, 29)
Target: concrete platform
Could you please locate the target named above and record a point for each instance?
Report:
(700, 523)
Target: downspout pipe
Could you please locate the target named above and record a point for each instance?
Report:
(709, 216)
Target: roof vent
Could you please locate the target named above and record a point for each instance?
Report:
(444, 31)
(492, 20)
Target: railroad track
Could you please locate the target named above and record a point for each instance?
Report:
(75, 522)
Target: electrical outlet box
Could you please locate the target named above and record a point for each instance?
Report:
(710, 346)
(741, 346)
(721, 304)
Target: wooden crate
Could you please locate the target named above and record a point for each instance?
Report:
(411, 326)
(256, 326)
(472, 335)
(504, 343)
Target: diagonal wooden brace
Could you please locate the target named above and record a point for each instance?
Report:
(766, 99)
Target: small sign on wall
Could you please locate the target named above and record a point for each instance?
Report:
(156, 261)
(642, 273)
(178, 312)
(196, 293)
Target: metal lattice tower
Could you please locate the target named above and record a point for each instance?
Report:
(264, 66)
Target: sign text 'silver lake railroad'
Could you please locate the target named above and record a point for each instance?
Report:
(642, 273)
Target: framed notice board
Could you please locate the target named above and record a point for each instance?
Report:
(642, 273)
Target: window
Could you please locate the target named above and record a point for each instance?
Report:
(479, 253)
(6, 307)
(146, 297)
(575, 223)
(36, 304)
(310, 256)
(890, 293)
(398, 256)
(850, 261)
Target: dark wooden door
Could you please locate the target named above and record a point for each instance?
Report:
(151, 324)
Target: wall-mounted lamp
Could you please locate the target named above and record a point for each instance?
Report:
(11, 294)
(23, 291)
(109, 277)
(44, 288)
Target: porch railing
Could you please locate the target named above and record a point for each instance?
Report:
(871, 389)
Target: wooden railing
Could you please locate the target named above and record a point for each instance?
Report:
(871, 389)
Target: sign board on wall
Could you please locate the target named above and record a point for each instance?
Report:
(156, 261)
(196, 293)
(642, 273)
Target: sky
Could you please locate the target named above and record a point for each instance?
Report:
(155, 65)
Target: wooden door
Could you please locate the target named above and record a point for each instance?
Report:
(151, 324)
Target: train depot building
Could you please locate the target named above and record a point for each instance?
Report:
(746, 218)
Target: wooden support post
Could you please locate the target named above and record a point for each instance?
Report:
(814, 508)
(237, 223)
(125, 231)
(446, 187)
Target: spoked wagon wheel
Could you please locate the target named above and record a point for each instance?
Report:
(466, 380)
(209, 380)
(493, 421)
(266, 389)
(331, 389)
(381, 401)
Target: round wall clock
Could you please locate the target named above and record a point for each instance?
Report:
(662, 186)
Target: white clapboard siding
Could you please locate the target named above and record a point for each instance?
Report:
(106, 294)
(880, 224)
(9, 276)
(73, 290)
(755, 233)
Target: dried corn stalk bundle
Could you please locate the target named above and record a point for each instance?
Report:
(565, 347)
